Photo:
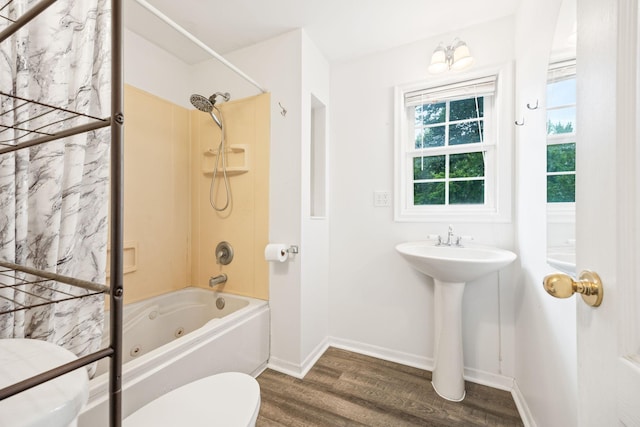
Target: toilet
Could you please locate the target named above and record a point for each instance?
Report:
(55, 403)
(229, 399)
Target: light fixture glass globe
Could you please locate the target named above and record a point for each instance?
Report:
(438, 61)
(461, 56)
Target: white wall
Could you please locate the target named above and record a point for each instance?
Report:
(315, 231)
(378, 303)
(545, 327)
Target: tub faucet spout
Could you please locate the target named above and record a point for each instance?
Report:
(217, 280)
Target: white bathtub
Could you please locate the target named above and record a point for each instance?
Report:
(175, 338)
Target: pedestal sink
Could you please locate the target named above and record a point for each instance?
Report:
(451, 267)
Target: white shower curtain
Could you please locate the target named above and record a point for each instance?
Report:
(54, 197)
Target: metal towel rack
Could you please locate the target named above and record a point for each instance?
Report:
(50, 123)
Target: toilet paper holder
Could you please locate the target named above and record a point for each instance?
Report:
(279, 252)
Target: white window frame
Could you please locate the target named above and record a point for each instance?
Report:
(498, 143)
(561, 212)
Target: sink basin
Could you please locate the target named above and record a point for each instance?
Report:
(454, 264)
(451, 267)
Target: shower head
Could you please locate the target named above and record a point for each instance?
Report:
(202, 103)
(207, 105)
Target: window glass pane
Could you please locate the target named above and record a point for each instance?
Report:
(561, 157)
(562, 92)
(561, 120)
(466, 192)
(465, 133)
(466, 165)
(561, 188)
(428, 193)
(428, 167)
(430, 137)
(466, 109)
(417, 115)
(429, 114)
(448, 161)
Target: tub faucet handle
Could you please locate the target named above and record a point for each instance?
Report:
(224, 253)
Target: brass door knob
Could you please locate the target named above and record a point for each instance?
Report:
(562, 285)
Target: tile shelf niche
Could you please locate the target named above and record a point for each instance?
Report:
(231, 170)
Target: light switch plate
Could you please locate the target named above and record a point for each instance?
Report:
(381, 198)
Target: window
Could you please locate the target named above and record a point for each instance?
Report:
(448, 156)
(561, 133)
(447, 150)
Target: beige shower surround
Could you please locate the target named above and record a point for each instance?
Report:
(167, 210)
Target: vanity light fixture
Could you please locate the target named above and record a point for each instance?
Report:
(455, 56)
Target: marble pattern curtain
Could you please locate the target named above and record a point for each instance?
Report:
(54, 197)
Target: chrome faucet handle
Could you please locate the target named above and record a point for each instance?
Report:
(224, 253)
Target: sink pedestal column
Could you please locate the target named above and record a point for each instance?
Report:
(447, 379)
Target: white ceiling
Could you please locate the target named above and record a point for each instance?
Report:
(341, 29)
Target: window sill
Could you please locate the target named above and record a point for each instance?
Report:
(452, 214)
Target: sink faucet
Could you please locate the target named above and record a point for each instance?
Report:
(450, 236)
(217, 280)
(452, 239)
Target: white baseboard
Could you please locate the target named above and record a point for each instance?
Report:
(256, 373)
(477, 376)
(408, 359)
(285, 367)
(489, 379)
(313, 357)
(523, 408)
(299, 370)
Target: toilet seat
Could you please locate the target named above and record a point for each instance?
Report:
(230, 399)
(54, 403)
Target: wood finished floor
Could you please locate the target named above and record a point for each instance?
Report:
(350, 389)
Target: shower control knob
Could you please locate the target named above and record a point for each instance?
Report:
(224, 253)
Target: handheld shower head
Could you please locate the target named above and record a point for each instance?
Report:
(207, 105)
(202, 103)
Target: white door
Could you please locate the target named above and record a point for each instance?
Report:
(607, 211)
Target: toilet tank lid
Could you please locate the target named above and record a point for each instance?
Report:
(54, 403)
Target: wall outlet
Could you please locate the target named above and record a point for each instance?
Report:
(381, 198)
